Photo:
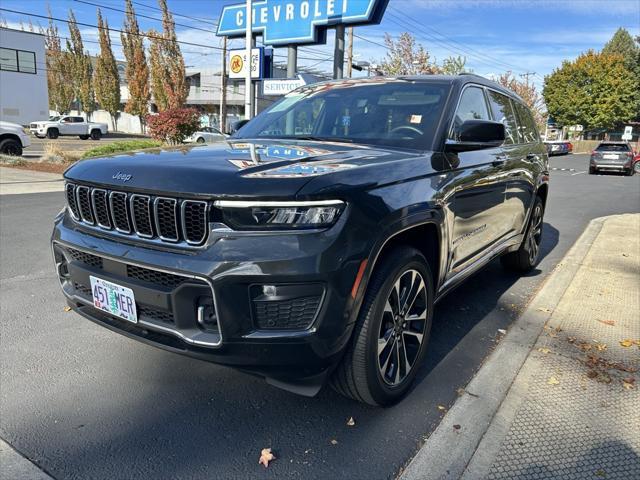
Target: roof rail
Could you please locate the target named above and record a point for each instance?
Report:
(472, 74)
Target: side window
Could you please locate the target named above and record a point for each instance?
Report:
(8, 60)
(528, 128)
(66, 120)
(502, 112)
(472, 106)
(78, 119)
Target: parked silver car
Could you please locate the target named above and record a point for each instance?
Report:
(207, 135)
(612, 157)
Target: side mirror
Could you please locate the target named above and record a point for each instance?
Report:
(238, 125)
(476, 135)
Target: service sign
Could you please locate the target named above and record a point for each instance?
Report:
(282, 86)
(238, 63)
(287, 22)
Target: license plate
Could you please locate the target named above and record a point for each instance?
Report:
(611, 156)
(114, 299)
(555, 147)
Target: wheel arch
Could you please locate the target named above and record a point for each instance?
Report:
(12, 136)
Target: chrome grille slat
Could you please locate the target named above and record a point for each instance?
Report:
(149, 217)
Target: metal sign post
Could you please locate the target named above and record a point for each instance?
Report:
(292, 61)
(338, 52)
(248, 84)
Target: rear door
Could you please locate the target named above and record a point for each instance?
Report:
(480, 185)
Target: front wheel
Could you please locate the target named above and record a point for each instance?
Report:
(526, 257)
(96, 134)
(53, 133)
(391, 333)
(200, 140)
(10, 146)
(84, 137)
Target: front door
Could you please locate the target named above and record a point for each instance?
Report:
(479, 190)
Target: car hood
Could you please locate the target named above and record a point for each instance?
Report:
(274, 169)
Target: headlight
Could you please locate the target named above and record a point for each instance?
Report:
(248, 215)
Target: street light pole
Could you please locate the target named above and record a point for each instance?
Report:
(248, 97)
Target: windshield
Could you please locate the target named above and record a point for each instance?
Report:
(54, 119)
(613, 147)
(393, 113)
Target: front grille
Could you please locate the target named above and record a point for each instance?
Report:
(82, 290)
(288, 314)
(155, 276)
(145, 216)
(155, 315)
(86, 258)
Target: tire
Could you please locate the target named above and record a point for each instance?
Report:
(96, 134)
(11, 146)
(84, 137)
(377, 378)
(526, 257)
(53, 133)
(592, 171)
(629, 172)
(199, 140)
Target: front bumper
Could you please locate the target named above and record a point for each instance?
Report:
(313, 275)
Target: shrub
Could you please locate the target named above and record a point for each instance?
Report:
(11, 160)
(174, 125)
(121, 147)
(54, 153)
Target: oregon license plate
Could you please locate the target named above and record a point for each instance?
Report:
(611, 156)
(114, 299)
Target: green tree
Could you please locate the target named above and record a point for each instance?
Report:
(528, 92)
(596, 90)
(82, 68)
(168, 82)
(137, 70)
(106, 81)
(59, 70)
(622, 43)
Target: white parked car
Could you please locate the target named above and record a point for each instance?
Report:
(68, 125)
(13, 139)
(207, 135)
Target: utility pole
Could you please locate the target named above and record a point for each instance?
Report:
(248, 91)
(223, 88)
(338, 53)
(292, 61)
(526, 76)
(350, 52)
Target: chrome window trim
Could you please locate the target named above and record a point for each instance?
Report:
(133, 216)
(93, 203)
(184, 226)
(151, 325)
(73, 193)
(257, 203)
(78, 188)
(126, 209)
(175, 213)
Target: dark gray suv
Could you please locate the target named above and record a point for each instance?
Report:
(612, 157)
(313, 245)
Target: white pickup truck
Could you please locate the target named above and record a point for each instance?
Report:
(68, 125)
(12, 139)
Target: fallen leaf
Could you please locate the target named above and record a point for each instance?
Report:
(592, 374)
(456, 427)
(502, 331)
(571, 339)
(546, 310)
(544, 350)
(626, 343)
(351, 422)
(67, 309)
(627, 385)
(553, 381)
(608, 322)
(442, 407)
(265, 457)
(625, 254)
(334, 441)
(601, 347)
(460, 392)
(600, 473)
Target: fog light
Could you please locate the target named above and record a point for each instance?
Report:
(269, 290)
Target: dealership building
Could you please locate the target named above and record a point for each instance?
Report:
(23, 78)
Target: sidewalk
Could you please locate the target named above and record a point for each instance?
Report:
(572, 410)
(16, 181)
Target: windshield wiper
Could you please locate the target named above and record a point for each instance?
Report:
(321, 139)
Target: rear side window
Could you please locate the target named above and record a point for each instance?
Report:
(528, 129)
(472, 106)
(503, 112)
(613, 147)
(78, 119)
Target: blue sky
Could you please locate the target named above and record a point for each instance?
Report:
(493, 35)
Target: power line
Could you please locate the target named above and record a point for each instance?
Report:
(150, 7)
(141, 15)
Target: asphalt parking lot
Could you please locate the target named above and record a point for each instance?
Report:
(74, 144)
(83, 402)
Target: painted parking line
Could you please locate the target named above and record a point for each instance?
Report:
(579, 173)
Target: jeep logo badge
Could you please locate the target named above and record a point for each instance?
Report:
(125, 177)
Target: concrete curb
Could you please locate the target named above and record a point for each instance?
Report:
(449, 449)
(17, 467)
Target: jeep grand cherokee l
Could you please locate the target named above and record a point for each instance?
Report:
(313, 245)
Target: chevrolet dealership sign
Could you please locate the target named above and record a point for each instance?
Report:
(286, 22)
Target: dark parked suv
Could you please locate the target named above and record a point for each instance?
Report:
(313, 245)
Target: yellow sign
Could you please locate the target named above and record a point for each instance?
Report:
(236, 63)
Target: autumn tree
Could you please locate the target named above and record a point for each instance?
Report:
(407, 57)
(137, 70)
(528, 92)
(168, 82)
(106, 81)
(596, 90)
(82, 68)
(59, 70)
